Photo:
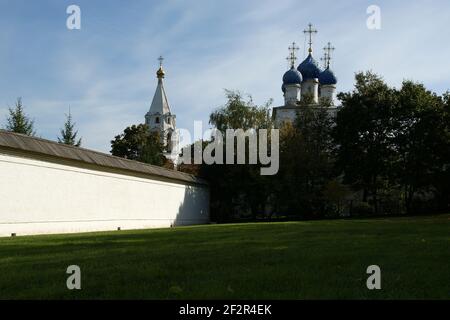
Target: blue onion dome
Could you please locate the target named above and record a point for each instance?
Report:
(309, 68)
(292, 76)
(283, 88)
(327, 77)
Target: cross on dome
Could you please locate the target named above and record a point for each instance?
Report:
(292, 58)
(160, 73)
(328, 51)
(310, 31)
(326, 60)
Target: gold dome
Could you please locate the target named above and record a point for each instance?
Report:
(160, 73)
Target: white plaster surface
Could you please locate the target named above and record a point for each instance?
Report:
(42, 197)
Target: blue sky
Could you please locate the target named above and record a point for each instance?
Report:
(105, 72)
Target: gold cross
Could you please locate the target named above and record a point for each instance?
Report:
(292, 56)
(328, 51)
(326, 60)
(311, 31)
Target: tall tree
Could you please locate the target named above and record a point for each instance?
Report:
(442, 181)
(364, 134)
(239, 113)
(419, 137)
(306, 163)
(18, 121)
(136, 143)
(68, 134)
(394, 145)
(241, 187)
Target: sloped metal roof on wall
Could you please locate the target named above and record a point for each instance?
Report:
(32, 145)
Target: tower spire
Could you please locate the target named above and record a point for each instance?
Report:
(310, 31)
(328, 51)
(292, 58)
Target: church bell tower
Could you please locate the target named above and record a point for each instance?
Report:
(160, 117)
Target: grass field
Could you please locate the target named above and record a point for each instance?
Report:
(297, 260)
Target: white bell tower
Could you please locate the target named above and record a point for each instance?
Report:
(160, 118)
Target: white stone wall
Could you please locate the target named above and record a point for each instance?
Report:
(42, 197)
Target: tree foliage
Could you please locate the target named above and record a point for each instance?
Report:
(18, 121)
(240, 186)
(239, 113)
(68, 133)
(306, 164)
(393, 143)
(364, 133)
(137, 143)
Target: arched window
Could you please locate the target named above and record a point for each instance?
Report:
(157, 120)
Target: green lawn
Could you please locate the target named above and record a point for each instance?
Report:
(297, 260)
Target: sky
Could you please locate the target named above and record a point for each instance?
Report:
(105, 71)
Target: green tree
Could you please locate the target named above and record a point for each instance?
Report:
(137, 143)
(18, 121)
(238, 191)
(239, 113)
(306, 163)
(442, 180)
(364, 135)
(68, 134)
(394, 145)
(420, 138)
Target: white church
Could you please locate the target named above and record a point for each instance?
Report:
(307, 81)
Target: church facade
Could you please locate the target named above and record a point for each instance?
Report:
(307, 82)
